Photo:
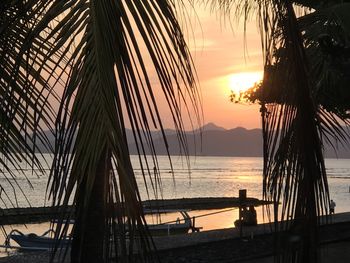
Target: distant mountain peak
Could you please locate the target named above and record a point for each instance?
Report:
(239, 128)
(210, 126)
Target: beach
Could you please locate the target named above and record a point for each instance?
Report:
(225, 245)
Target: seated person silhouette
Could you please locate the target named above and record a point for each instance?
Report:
(248, 217)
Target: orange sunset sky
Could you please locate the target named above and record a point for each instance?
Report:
(224, 63)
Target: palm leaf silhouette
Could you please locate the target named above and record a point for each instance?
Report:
(24, 100)
(102, 53)
(294, 125)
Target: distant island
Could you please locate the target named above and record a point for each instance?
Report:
(212, 140)
(218, 141)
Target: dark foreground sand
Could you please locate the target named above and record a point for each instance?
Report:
(334, 253)
(337, 252)
(224, 246)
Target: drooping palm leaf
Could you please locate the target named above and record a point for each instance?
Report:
(294, 172)
(24, 110)
(106, 52)
(327, 34)
(293, 126)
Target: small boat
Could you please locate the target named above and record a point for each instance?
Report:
(32, 241)
(174, 228)
(44, 242)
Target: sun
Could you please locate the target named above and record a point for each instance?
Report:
(240, 82)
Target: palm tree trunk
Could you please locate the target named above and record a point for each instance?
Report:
(90, 226)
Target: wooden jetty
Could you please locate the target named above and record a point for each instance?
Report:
(202, 203)
(42, 214)
(25, 215)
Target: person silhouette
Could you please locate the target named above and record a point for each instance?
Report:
(332, 206)
(252, 216)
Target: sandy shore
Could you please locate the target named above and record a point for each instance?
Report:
(226, 246)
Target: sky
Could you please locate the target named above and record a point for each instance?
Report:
(225, 62)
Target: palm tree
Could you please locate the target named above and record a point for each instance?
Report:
(294, 169)
(102, 54)
(294, 164)
(294, 123)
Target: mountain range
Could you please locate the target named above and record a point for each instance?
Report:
(212, 140)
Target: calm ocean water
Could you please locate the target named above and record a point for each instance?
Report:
(207, 177)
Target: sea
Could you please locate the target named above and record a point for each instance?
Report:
(198, 176)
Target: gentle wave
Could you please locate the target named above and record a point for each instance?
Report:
(208, 176)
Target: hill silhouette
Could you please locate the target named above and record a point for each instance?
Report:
(212, 140)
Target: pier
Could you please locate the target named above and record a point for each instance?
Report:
(41, 214)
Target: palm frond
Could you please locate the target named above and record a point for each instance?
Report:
(294, 172)
(105, 52)
(327, 39)
(24, 108)
(294, 123)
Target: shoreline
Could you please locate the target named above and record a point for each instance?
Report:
(224, 245)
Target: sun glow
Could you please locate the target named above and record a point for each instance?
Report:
(240, 82)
